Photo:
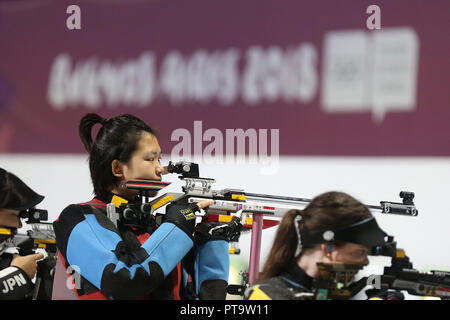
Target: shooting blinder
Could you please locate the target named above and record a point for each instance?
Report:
(365, 232)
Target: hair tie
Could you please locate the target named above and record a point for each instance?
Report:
(297, 219)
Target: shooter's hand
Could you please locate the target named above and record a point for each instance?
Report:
(183, 216)
(218, 231)
(27, 263)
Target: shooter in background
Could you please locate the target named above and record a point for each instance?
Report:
(16, 272)
(333, 227)
(151, 262)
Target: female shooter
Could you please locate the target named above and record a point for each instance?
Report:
(334, 227)
(148, 262)
(16, 272)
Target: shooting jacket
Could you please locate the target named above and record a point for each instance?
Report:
(15, 284)
(105, 263)
(290, 285)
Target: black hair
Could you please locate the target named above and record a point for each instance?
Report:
(15, 194)
(117, 139)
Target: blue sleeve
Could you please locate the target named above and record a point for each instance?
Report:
(95, 250)
(212, 264)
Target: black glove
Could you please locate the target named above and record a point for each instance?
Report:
(218, 231)
(183, 216)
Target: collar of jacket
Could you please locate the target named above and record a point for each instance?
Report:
(296, 275)
(112, 197)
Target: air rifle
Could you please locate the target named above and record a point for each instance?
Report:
(401, 275)
(40, 239)
(226, 201)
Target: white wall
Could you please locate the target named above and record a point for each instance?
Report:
(65, 179)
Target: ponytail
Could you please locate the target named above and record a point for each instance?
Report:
(284, 246)
(85, 128)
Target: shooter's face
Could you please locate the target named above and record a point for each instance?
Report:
(350, 253)
(10, 218)
(145, 162)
